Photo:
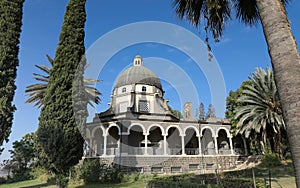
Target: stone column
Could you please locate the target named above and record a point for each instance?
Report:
(231, 147)
(95, 148)
(182, 145)
(245, 146)
(124, 143)
(216, 145)
(90, 145)
(146, 143)
(165, 144)
(104, 144)
(199, 145)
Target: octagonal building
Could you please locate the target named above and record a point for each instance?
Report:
(138, 130)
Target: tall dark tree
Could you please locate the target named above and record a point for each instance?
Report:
(201, 112)
(11, 13)
(64, 109)
(281, 43)
(211, 113)
(232, 104)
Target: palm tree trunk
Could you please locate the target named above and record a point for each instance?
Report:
(286, 66)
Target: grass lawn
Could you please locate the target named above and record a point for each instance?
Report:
(38, 184)
(278, 182)
(282, 176)
(29, 183)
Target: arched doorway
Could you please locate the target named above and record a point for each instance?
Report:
(155, 141)
(135, 140)
(191, 142)
(98, 142)
(207, 142)
(223, 142)
(174, 141)
(113, 141)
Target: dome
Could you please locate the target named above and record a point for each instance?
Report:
(138, 74)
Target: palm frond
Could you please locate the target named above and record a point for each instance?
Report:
(36, 92)
(214, 13)
(246, 11)
(260, 113)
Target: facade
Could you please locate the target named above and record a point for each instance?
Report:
(139, 131)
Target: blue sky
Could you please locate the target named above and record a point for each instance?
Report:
(239, 52)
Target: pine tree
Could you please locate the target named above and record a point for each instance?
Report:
(201, 111)
(210, 112)
(11, 13)
(64, 109)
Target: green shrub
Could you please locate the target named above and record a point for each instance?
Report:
(270, 160)
(202, 181)
(20, 175)
(92, 171)
(135, 176)
(40, 173)
(2, 180)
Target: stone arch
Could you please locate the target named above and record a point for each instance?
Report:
(98, 138)
(226, 130)
(191, 141)
(95, 129)
(156, 125)
(113, 135)
(113, 125)
(223, 142)
(155, 139)
(175, 126)
(87, 133)
(191, 127)
(207, 141)
(174, 140)
(207, 127)
(136, 139)
(136, 124)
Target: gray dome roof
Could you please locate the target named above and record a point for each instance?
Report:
(138, 75)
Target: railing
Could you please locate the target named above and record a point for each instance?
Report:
(192, 151)
(224, 151)
(174, 151)
(112, 151)
(160, 151)
(136, 151)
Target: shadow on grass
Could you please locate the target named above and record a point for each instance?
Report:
(109, 185)
(48, 183)
(39, 185)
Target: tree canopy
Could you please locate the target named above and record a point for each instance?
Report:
(64, 111)
(10, 29)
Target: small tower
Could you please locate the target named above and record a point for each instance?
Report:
(137, 61)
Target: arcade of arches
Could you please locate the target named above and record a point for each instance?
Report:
(160, 139)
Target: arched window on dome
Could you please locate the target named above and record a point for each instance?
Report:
(144, 89)
(124, 90)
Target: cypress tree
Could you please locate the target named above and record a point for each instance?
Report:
(210, 112)
(11, 13)
(201, 111)
(58, 133)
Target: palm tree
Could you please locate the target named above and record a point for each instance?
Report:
(262, 113)
(37, 91)
(282, 49)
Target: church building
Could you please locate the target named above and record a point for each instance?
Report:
(138, 130)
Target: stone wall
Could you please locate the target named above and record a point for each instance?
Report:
(174, 164)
